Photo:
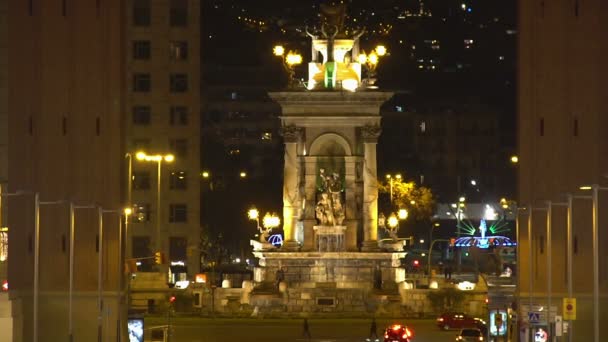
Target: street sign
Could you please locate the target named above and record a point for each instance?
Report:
(533, 317)
(539, 311)
(569, 309)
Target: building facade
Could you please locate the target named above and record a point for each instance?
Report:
(562, 146)
(162, 50)
(65, 143)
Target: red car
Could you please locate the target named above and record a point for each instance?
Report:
(398, 333)
(459, 320)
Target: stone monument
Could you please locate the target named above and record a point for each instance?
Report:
(330, 260)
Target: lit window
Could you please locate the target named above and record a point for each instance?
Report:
(140, 213)
(177, 180)
(423, 127)
(178, 50)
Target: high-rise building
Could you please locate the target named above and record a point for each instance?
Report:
(562, 106)
(65, 144)
(162, 117)
(5, 314)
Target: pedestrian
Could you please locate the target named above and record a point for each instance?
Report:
(279, 277)
(448, 271)
(373, 329)
(306, 332)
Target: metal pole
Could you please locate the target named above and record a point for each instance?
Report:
(130, 180)
(390, 179)
(120, 278)
(569, 256)
(530, 258)
(36, 262)
(549, 261)
(158, 210)
(99, 275)
(517, 269)
(71, 276)
(596, 268)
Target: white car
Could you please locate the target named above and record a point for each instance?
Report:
(469, 335)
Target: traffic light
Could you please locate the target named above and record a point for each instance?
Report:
(159, 258)
(416, 263)
(172, 299)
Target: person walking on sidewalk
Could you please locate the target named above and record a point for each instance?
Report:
(306, 332)
(373, 329)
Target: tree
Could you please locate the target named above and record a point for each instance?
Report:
(418, 200)
(213, 251)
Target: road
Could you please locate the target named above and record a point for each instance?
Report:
(287, 330)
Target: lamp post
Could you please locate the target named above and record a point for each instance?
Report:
(71, 268)
(595, 188)
(168, 158)
(269, 222)
(392, 222)
(370, 61)
(290, 60)
(390, 184)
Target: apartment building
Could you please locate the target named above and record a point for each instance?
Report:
(162, 117)
(562, 107)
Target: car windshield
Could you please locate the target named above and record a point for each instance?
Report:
(470, 332)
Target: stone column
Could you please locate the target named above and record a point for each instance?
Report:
(291, 195)
(370, 135)
(310, 191)
(350, 205)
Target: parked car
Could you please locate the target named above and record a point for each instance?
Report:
(471, 335)
(459, 320)
(398, 333)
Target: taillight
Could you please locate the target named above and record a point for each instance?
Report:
(440, 319)
(408, 332)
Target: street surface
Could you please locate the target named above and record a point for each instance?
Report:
(189, 329)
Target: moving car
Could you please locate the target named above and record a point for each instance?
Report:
(469, 335)
(398, 333)
(459, 320)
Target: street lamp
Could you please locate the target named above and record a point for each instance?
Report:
(392, 222)
(370, 61)
(390, 182)
(289, 62)
(269, 222)
(595, 188)
(167, 158)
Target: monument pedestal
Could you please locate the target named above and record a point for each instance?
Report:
(329, 238)
(370, 246)
(328, 282)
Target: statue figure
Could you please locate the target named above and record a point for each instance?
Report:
(329, 209)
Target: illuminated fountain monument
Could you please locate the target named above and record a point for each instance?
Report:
(330, 260)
